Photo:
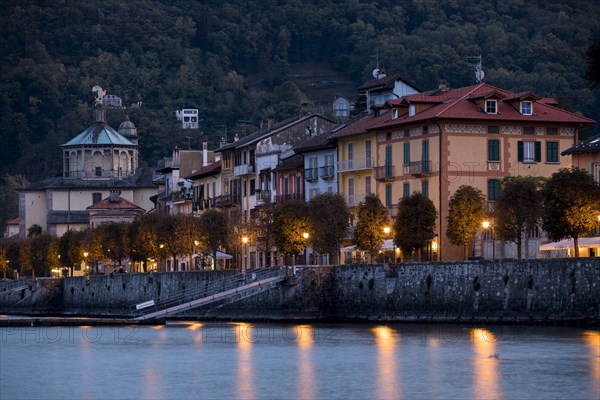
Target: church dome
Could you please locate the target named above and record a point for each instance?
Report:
(127, 128)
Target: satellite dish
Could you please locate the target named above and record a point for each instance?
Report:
(376, 73)
(479, 75)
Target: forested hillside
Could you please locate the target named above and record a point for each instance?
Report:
(239, 61)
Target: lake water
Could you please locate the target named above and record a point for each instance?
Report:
(319, 361)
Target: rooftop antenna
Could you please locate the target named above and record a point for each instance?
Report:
(479, 74)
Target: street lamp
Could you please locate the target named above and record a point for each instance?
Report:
(244, 251)
(434, 247)
(305, 235)
(487, 225)
(85, 254)
(386, 231)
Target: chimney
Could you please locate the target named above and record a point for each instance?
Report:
(443, 85)
(204, 153)
(236, 138)
(270, 122)
(223, 141)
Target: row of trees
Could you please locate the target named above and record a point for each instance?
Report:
(566, 205)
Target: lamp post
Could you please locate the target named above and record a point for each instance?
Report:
(244, 251)
(85, 254)
(386, 231)
(305, 235)
(434, 247)
(487, 225)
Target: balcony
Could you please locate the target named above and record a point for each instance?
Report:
(263, 196)
(182, 197)
(385, 173)
(244, 169)
(419, 168)
(287, 197)
(327, 172)
(355, 164)
(354, 199)
(227, 200)
(393, 211)
(311, 174)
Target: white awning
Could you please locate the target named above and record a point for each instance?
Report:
(584, 243)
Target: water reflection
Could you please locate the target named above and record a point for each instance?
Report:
(592, 340)
(385, 339)
(485, 365)
(306, 379)
(245, 372)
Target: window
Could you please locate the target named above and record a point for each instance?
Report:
(406, 153)
(425, 150)
(526, 108)
(388, 161)
(529, 151)
(493, 150)
(388, 195)
(368, 153)
(528, 130)
(245, 188)
(350, 191)
(552, 152)
(367, 184)
(425, 188)
(252, 187)
(314, 192)
(96, 197)
(491, 107)
(406, 133)
(411, 110)
(493, 189)
(394, 113)
(493, 129)
(551, 131)
(406, 189)
(350, 148)
(98, 171)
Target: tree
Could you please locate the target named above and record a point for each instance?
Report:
(571, 205)
(188, 234)
(214, 230)
(291, 221)
(9, 197)
(70, 248)
(592, 74)
(262, 227)
(115, 241)
(144, 238)
(329, 217)
(465, 214)
(518, 208)
(43, 253)
(414, 225)
(4, 263)
(167, 230)
(371, 219)
(34, 230)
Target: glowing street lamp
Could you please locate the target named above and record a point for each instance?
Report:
(487, 225)
(86, 254)
(244, 251)
(305, 235)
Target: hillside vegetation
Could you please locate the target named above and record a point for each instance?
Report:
(240, 61)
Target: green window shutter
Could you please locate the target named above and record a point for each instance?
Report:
(425, 150)
(425, 188)
(493, 150)
(538, 151)
(388, 195)
(406, 153)
(520, 151)
(406, 190)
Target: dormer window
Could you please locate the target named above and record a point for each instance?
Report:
(394, 113)
(491, 107)
(526, 108)
(411, 110)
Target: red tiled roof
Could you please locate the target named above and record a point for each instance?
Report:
(122, 204)
(456, 104)
(14, 221)
(210, 169)
(361, 125)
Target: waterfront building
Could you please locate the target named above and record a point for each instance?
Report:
(97, 162)
(382, 88)
(586, 155)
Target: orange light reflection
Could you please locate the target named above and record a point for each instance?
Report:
(592, 339)
(485, 364)
(245, 373)
(387, 379)
(306, 380)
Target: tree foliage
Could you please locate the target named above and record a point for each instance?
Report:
(9, 197)
(466, 212)
(518, 208)
(414, 226)
(290, 223)
(571, 205)
(371, 218)
(329, 219)
(214, 230)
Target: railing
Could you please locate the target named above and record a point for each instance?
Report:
(355, 164)
(264, 195)
(245, 169)
(202, 290)
(286, 197)
(311, 174)
(227, 200)
(392, 211)
(179, 196)
(384, 173)
(327, 172)
(420, 168)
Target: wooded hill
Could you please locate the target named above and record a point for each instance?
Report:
(240, 61)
